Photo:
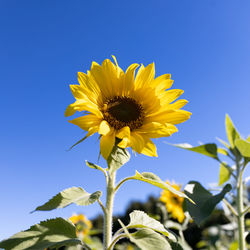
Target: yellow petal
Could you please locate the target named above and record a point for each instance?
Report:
(78, 105)
(77, 91)
(177, 116)
(83, 79)
(86, 122)
(123, 132)
(174, 116)
(171, 128)
(97, 75)
(70, 110)
(106, 144)
(170, 95)
(147, 98)
(157, 129)
(84, 101)
(130, 77)
(81, 105)
(118, 69)
(89, 85)
(137, 142)
(93, 130)
(162, 83)
(145, 76)
(114, 76)
(149, 149)
(178, 213)
(74, 218)
(104, 128)
(114, 58)
(124, 142)
(178, 104)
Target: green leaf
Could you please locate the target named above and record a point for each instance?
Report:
(205, 201)
(147, 239)
(243, 146)
(156, 181)
(222, 151)
(231, 131)
(68, 196)
(173, 225)
(94, 166)
(224, 173)
(94, 243)
(177, 246)
(209, 149)
(181, 244)
(50, 233)
(139, 219)
(117, 158)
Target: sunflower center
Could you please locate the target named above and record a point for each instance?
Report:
(123, 111)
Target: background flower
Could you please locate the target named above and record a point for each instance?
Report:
(83, 225)
(173, 202)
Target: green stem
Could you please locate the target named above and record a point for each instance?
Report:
(102, 207)
(121, 182)
(120, 236)
(246, 210)
(231, 208)
(118, 232)
(240, 208)
(108, 218)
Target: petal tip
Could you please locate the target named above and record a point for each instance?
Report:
(115, 60)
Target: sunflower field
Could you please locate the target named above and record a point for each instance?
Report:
(127, 109)
(125, 125)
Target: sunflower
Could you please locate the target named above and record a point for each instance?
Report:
(83, 225)
(126, 107)
(173, 202)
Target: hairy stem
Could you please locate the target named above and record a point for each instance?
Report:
(120, 236)
(230, 207)
(108, 218)
(240, 208)
(102, 207)
(121, 182)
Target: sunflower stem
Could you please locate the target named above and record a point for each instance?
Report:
(108, 217)
(240, 207)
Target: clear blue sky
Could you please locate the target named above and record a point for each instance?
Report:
(205, 45)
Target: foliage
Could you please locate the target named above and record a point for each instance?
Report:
(156, 227)
(51, 233)
(205, 202)
(238, 152)
(68, 196)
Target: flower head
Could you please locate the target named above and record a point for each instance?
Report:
(83, 225)
(126, 106)
(173, 202)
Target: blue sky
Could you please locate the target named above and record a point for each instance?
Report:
(205, 45)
